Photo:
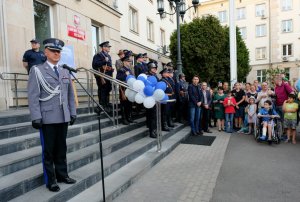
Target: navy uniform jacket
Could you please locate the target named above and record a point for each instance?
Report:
(182, 90)
(59, 108)
(170, 90)
(140, 68)
(99, 61)
(121, 73)
(195, 95)
(34, 58)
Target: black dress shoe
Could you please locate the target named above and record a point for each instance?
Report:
(208, 131)
(67, 180)
(125, 122)
(53, 187)
(200, 133)
(131, 121)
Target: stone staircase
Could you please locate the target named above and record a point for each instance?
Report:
(128, 153)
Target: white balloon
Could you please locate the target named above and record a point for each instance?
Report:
(131, 96)
(127, 92)
(143, 75)
(158, 94)
(138, 85)
(130, 82)
(149, 102)
(139, 98)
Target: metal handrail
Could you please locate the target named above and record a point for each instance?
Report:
(15, 79)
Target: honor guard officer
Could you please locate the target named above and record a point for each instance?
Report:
(52, 107)
(33, 56)
(151, 113)
(140, 67)
(126, 105)
(102, 62)
(182, 92)
(171, 86)
(165, 112)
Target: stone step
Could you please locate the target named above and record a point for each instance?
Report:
(20, 140)
(119, 181)
(14, 116)
(20, 160)
(25, 180)
(90, 174)
(19, 129)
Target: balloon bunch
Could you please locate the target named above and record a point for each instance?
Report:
(148, 88)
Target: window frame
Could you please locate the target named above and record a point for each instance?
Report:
(132, 29)
(284, 26)
(245, 33)
(261, 53)
(262, 77)
(150, 28)
(224, 20)
(265, 30)
(259, 13)
(162, 37)
(286, 49)
(284, 5)
(238, 17)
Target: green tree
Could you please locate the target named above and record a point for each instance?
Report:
(205, 50)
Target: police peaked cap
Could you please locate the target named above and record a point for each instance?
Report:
(34, 41)
(105, 44)
(152, 65)
(126, 58)
(140, 55)
(53, 44)
(165, 70)
(170, 64)
(144, 55)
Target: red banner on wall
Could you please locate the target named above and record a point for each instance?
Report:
(76, 33)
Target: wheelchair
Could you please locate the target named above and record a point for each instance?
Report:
(276, 129)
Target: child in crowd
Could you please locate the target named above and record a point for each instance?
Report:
(229, 104)
(251, 111)
(290, 109)
(267, 114)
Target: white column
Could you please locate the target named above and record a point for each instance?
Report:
(233, 52)
(4, 63)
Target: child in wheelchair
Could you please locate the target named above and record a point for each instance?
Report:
(267, 116)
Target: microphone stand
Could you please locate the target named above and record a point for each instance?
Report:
(100, 108)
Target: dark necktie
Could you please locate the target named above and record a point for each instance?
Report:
(56, 71)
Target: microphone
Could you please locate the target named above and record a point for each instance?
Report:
(69, 68)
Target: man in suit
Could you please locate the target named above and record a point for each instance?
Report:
(102, 62)
(207, 98)
(52, 107)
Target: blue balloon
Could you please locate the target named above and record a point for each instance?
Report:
(148, 90)
(298, 85)
(141, 78)
(161, 85)
(152, 80)
(129, 76)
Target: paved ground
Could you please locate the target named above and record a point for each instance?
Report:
(256, 172)
(234, 169)
(189, 173)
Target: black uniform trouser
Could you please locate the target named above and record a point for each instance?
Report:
(126, 109)
(151, 119)
(53, 140)
(204, 119)
(103, 91)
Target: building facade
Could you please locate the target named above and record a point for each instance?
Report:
(81, 24)
(270, 30)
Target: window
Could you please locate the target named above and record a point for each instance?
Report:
(287, 50)
(162, 37)
(287, 26)
(260, 53)
(243, 31)
(133, 19)
(261, 75)
(42, 21)
(260, 10)
(171, 17)
(150, 30)
(241, 13)
(286, 5)
(260, 30)
(95, 39)
(222, 16)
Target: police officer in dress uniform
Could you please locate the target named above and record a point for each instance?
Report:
(172, 95)
(52, 107)
(165, 108)
(151, 113)
(102, 62)
(33, 56)
(126, 105)
(182, 92)
(140, 67)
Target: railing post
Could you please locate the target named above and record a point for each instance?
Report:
(16, 91)
(158, 126)
(92, 90)
(113, 102)
(117, 103)
(88, 89)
